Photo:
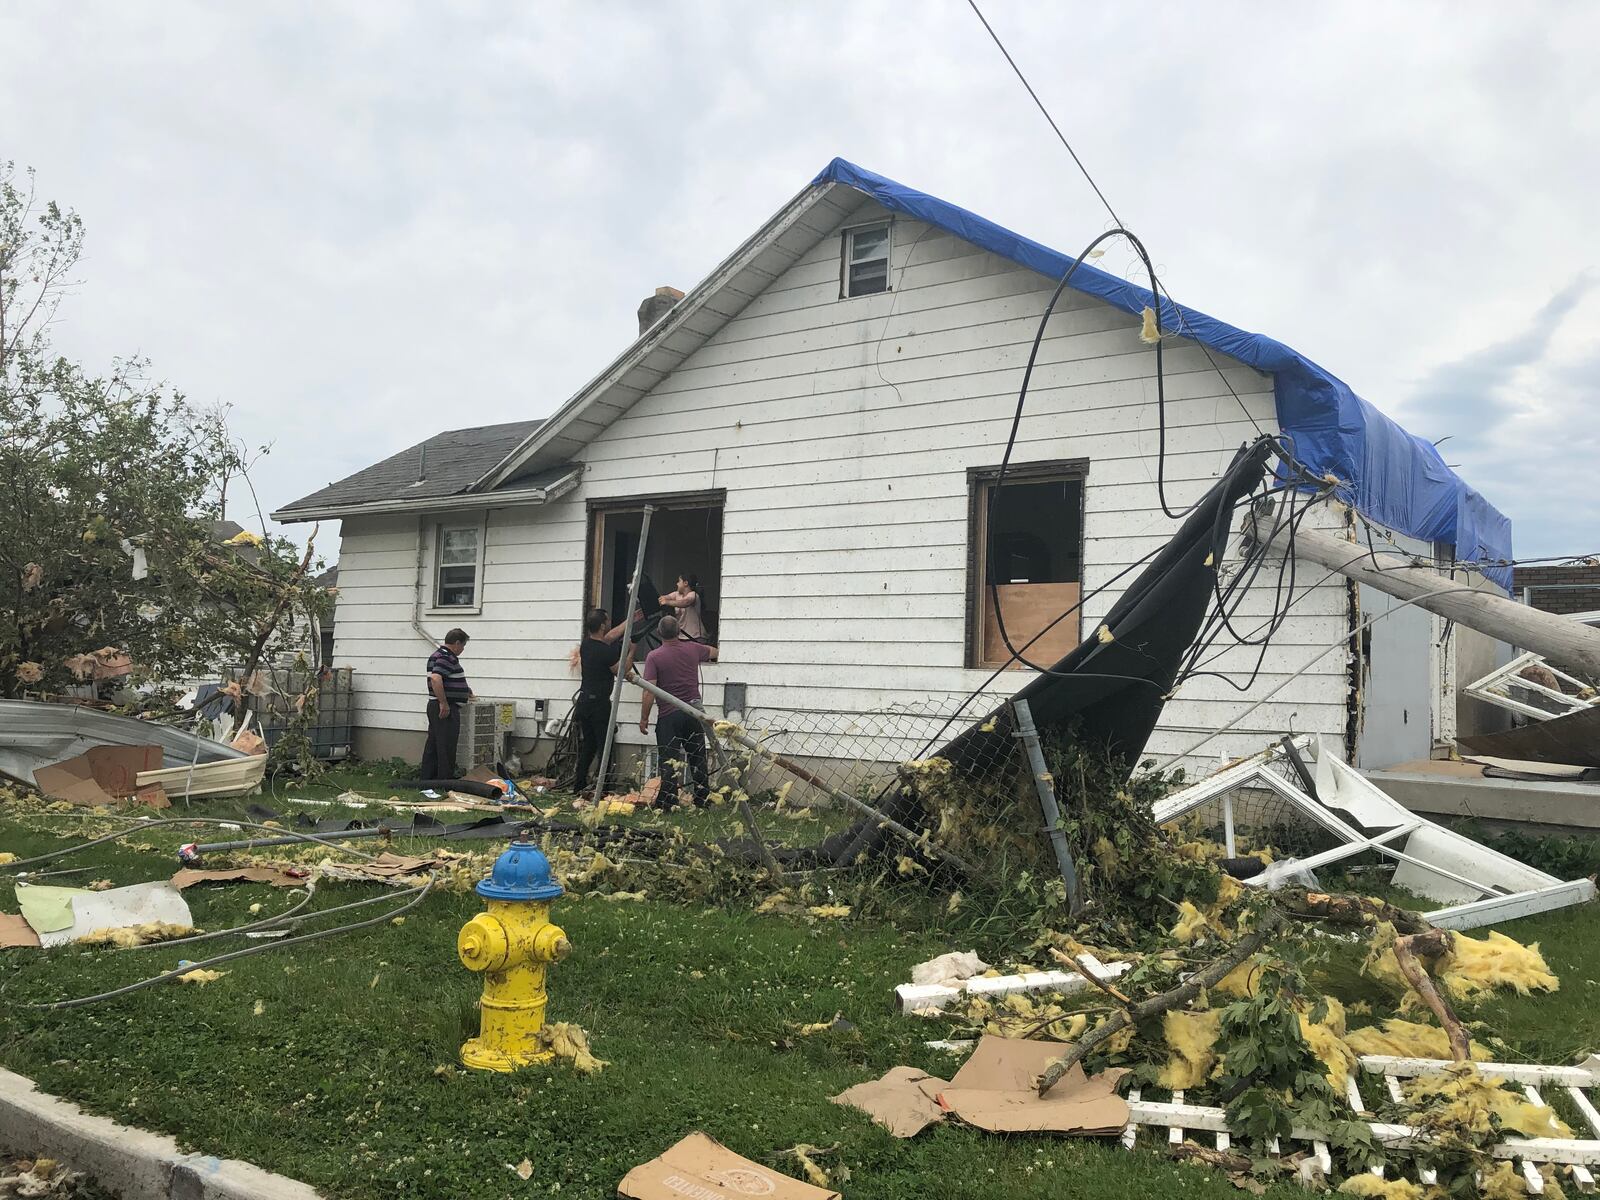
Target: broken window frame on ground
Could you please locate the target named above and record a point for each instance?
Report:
(1020, 627)
(1497, 686)
(1432, 861)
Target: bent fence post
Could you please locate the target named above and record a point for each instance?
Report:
(627, 641)
(1042, 783)
(795, 769)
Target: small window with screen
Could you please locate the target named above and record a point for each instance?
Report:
(866, 260)
(459, 559)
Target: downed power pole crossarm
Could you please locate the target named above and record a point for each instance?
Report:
(800, 772)
(1565, 642)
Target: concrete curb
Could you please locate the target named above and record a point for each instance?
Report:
(132, 1163)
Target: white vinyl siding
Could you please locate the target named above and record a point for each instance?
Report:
(842, 434)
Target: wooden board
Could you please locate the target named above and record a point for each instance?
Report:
(1028, 608)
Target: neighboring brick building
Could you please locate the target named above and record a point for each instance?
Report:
(1559, 589)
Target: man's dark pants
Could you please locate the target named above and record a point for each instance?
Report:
(590, 715)
(681, 739)
(444, 733)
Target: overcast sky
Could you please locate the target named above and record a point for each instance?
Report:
(362, 223)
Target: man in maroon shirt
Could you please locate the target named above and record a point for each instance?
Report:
(674, 667)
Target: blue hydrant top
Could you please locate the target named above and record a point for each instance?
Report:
(521, 873)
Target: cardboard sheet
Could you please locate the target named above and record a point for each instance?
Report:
(702, 1168)
(47, 909)
(904, 1101)
(995, 1090)
(99, 776)
(119, 907)
(277, 877)
(15, 931)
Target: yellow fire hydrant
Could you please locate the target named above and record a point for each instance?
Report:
(512, 944)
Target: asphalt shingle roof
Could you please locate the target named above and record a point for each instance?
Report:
(454, 460)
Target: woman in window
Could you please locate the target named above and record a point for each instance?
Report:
(685, 603)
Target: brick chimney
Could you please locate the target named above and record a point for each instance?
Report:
(657, 306)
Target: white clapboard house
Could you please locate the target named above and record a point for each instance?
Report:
(817, 424)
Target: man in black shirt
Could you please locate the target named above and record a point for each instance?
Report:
(598, 656)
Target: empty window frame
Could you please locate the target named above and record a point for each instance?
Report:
(1034, 560)
(685, 539)
(458, 564)
(865, 260)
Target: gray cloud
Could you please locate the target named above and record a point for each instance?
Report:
(1471, 398)
(363, 223)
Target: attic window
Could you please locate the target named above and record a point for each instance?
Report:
(866, 260)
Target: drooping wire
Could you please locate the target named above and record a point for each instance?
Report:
(1157, 289)
(1045, 112)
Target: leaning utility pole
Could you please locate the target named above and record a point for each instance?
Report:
(1566, 643)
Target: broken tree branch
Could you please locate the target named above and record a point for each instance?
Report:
(1104, 985)
(1346, 909)
(1209, 976)
(1407, 952)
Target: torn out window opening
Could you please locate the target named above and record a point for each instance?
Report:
(459, 563)
(685, 539)
(866, 260)
(1036, 561)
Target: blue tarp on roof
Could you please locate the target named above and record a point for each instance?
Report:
(1392, 477)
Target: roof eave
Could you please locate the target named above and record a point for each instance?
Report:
(785, 219)
(509, 498)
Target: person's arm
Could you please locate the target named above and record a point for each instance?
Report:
(711, 654)
(616, 631)
(644, 712)
(436, 685)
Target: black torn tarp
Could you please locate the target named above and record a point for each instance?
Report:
(1109, 690)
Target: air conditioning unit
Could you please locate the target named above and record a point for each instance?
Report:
(485, 727)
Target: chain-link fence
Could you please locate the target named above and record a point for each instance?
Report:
(864, 753)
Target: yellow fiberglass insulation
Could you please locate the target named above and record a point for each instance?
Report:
(1326, 1039)
(570, 1042)
(1192, 1037)
(1381, 1189)
(1460, 1098)
(1406, 1039)
(125, 937)
(1191, 926)
(1504, 1182)
(1474, 967)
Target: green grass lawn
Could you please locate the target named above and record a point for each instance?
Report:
(347, 1078)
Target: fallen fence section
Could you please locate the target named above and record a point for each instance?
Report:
(1175, 1119)
(1346, 815)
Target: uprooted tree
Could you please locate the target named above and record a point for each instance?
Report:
(110, 565)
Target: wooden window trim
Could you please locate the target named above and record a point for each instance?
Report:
(977, 526)
(594, 550)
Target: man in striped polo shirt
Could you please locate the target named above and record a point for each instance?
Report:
(447, 688)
